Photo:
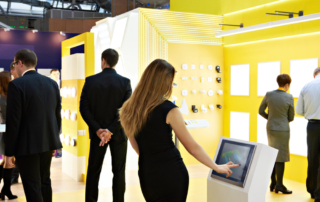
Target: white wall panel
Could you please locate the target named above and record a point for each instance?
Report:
(73, 67)
(267, 76)
(240, 125)
(73, 166)
(240, 80)
(121, 33)
(262, 130)
(298, 139)
(301, 72)
(44, 72)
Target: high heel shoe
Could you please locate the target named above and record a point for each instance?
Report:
(282, 189)
(272, 187)
(9, 195)
(6, 191)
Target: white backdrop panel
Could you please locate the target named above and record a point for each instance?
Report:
(262, 130)
(240, 125)
(44, 72)
(240, 79)
(267, 76)
(118, 33)
(73, 67)
(298, 139)
(301, 72)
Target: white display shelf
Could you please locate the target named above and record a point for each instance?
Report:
(196, 123)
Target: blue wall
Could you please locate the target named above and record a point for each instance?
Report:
(47, 46)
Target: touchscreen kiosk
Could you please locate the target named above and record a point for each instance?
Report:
(238, 153)
(250, 181)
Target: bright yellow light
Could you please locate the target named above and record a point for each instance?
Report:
(247, 9)
(285, 37)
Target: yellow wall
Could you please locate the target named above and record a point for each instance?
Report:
(207, 55)
(285, 43)
(258, 16)
(216, 7)
(284, 50)
(297, 41)
(71, 127)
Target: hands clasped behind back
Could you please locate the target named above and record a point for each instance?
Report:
(104, 135)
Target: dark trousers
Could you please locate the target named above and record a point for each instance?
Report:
(35, 175)
(118, 149)
(313, 140)
(15, 174)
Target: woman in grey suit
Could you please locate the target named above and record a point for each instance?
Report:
(280, 112)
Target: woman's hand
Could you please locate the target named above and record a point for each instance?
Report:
(226, 168)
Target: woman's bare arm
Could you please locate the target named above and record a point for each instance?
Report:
(134, 144)
(175, 119)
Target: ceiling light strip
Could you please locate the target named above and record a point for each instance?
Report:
(265, 40)
(268, 25)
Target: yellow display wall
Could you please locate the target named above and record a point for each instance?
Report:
(258, 15)
(76, 157)
(206, 55)
(283, 50)
(285, 43)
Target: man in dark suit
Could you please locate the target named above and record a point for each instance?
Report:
(33, 125)
(102, 96)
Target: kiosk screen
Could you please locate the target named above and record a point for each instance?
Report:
(238, 153)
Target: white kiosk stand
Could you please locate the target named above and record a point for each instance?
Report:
(257, 180)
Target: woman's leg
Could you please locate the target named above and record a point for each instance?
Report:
(280, 172)
(6, 189)
(273, 179)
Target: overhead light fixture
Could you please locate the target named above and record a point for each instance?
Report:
(241, 25)
(284, 13)
(268, 25)
(35, 30)
(63, 34)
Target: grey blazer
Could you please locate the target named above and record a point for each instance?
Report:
(280, 110)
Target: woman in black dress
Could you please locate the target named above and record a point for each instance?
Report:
(148, 119)
(5, 169)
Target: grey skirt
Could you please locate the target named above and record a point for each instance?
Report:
(280, 140)
(1, 144)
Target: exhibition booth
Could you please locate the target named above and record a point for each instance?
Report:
(220, 82)
(223, 73)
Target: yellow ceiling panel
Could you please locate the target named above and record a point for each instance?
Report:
(179, 27)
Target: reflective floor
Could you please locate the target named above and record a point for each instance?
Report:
(67, 190)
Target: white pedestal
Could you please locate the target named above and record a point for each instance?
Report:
(257, 181)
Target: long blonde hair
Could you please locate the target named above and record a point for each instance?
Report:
(153, 89)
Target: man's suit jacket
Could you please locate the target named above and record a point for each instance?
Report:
(280, 110)
(102, 96)
(33, 115)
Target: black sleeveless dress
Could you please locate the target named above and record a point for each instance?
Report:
(163, 175)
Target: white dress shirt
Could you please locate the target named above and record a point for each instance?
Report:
(308, 104)
(28, 70)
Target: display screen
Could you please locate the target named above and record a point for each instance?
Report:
(238, 153)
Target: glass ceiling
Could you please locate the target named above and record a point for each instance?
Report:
(27, 9)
